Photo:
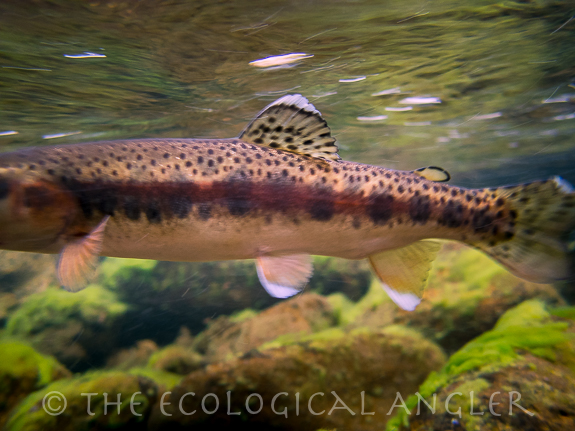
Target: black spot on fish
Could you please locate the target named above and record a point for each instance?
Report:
(153, 213)
(180, 205)
(321, 208)
(380, 208)
(200, 160)
(237, 197)
(188, 164)
(131, 207)
(420, 209)
(452, 214)
(204, 211)
(210, 151)
(210, 163)
(482, 221)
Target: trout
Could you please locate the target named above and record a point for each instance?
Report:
(278, 194)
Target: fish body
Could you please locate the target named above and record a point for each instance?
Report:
(278, 193)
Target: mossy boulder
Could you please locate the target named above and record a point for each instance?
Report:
(378, 363)
(168, 295)
(291, 319)
(176, 359)
(25, 273)
(23, 371)
(79, 329)
(143, 391)
(527, 360)
(135, 356)
(466, 294)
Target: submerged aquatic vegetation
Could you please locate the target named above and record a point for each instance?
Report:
(528, 329)
(78, 329)
(23, 370)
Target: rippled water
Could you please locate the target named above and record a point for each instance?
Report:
(485, 90)
(503, 73)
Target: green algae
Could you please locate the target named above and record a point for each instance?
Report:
(564, 312)
(29, 414)
(21, 361)
(164, 379)
(464, 275)
(112, 268)
(176, 359)
(56, 307)
(243, 315)
(527, 327)
(347, 312)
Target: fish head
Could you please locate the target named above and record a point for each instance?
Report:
(34, 212)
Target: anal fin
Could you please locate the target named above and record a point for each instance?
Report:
(284, 276)
(79, 259)
(403, 272)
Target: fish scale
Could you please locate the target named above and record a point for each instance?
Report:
(279, 194)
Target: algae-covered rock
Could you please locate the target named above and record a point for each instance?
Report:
(525, 365)
(25, 273)
(77, 328)
(83, 412)
(302, 315)
(378, 363)
(466, 294)
(136, 356)
(22, 371)
(176, 359)
(168, 295)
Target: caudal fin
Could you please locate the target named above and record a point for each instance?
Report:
(541, 247)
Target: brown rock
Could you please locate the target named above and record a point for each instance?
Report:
(301, 315)
(330, 362)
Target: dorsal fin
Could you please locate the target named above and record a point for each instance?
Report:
(433, 173)
(293, 124)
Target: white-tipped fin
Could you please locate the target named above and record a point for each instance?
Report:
(284, 276)
(403, 272)
(293, 124)
(433, 173)
(79, 259)
(406, 301)
(563, 185)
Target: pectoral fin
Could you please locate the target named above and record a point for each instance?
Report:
(403, 272)
(284, 276)
(79, 259)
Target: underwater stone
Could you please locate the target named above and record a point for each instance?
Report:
(530, 351)
(379, 362)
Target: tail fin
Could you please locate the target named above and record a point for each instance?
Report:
(542, 248)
